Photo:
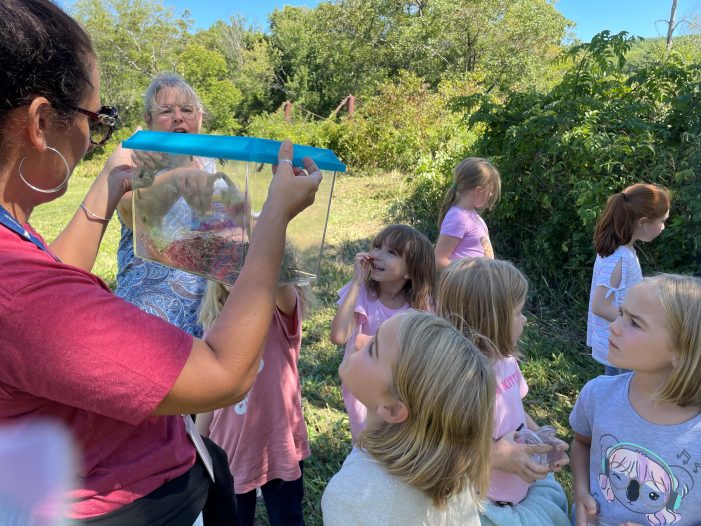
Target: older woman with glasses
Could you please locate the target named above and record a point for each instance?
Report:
(71, 351)
(170, 105)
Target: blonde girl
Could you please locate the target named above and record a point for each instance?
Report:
(638, 213)
(636, 450)
(397, 273)
(485, 298)
(463, 233)
(423, 458)
(264, 435)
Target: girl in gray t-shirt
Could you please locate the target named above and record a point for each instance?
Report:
(636, 454)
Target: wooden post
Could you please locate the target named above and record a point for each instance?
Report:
(349, 103)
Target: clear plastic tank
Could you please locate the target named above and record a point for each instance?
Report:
(196, 200)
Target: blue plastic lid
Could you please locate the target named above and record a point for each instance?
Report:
(227, 147)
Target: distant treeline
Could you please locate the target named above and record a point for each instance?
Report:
(567, 123)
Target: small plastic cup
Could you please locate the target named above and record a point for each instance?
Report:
(544, 435)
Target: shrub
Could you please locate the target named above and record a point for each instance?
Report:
(398, 126)
(300, 130)
(561, 154)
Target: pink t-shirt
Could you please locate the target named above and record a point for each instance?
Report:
(469, 227)
(72, 352)
(508, 416)
(370, 313)
(265, 435)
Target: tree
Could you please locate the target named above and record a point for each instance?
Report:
(206, 70)
(250, 60)
(604, 127)
(134, 40)
(671, 26)
(353, 45)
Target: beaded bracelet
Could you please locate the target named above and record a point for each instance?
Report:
(93, 215)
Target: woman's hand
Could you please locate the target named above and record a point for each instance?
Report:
(291, 191)
(197, 188)
(119, 169)
(79, 242)
(514, 457)
(119, 182)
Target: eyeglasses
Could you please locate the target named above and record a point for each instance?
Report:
(101, 124)
(188, 111)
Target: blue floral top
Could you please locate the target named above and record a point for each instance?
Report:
(168, 293)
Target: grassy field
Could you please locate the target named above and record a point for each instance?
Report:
(49, 219)
(556, 361)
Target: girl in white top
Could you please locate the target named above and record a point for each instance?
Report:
(463, 233)
(424, 456)
(638, 213)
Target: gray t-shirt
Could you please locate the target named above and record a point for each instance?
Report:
(638, 471)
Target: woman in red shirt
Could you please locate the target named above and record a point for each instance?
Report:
(70, 350)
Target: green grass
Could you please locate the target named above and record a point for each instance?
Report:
(556, 362)
(49, 219)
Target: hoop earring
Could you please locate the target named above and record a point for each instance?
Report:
(42, 190)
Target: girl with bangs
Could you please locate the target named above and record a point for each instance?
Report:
(484, 298)
(636, 451)
(423, 457)
(398, 273)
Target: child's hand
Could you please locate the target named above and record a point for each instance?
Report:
(513, 457)
(586, 510)
(361, 266)
(564, 459)
(560, 463)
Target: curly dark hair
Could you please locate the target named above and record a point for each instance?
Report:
(43, 53)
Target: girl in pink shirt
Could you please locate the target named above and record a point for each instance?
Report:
(463, 232)
(398, 273)
(484, 298)
(265, 435)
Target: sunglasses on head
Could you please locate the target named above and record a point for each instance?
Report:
(102, 123)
